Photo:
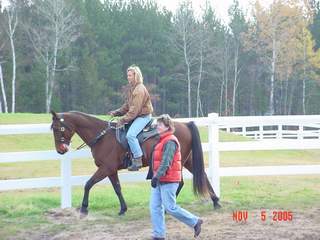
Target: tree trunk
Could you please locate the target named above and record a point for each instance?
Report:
(235, 81)
(293, 90)
(273, 65)
(52, 73)
(13, 105)
(12, 24)
(281, 102)
(199, 80)
(221, 98)
(285, 107)
(48, 103)
(304, 77)
(5, 105)
(226, 76)
(188, 73)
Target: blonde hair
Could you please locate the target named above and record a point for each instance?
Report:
(137, 73)
(167, 121)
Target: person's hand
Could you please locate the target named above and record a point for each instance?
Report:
(120, 123)
(112, 113)
(154, 182)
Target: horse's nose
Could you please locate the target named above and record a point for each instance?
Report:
(62, 149)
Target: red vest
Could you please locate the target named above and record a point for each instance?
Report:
(173, 173)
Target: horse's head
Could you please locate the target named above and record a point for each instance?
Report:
(62, 132)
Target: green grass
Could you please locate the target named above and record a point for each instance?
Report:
(24, 118)
(22, 210)
(30, 118)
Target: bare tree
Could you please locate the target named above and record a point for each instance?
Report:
(185, 41)
(3, 91)
(10, 28)
(56, 28)
(237, 26)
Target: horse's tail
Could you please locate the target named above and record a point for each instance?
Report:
(200, 186)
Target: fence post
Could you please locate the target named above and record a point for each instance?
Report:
(300, 132)
(260, 132)
(279, 134)
(214, 161)
(66, 174)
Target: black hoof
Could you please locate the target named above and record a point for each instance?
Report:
(216, 205)
(83, 212)
(122, 212)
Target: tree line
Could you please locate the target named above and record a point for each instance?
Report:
(73, 55)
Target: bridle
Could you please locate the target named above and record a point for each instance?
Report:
(61, 130)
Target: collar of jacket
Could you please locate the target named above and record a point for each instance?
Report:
(133, 86)
(165, 134)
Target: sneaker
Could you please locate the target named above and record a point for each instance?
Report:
(197, 228)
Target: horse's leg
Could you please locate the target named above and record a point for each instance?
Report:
(213, 196)
(114, 179)
(99, 175)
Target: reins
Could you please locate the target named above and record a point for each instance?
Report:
(100, 135)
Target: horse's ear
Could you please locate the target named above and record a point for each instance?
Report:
(54, 115)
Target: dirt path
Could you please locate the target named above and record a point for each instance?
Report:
(217, 225)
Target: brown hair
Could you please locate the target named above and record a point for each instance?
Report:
(167, 121)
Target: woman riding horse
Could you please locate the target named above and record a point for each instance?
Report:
(137, 108)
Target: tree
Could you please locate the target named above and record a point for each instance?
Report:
(10, 28)
(238, 27)
(53, 27)
(273, 36)
(2, 85)
(5, 105)
(315, 25)
(185, 41)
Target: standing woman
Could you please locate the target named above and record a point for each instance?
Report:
(166, 165)
(137, 108)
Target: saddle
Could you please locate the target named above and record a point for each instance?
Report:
(149, 131)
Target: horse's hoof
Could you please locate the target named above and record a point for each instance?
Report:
(216, 206)
(122, 212)
(83, 212)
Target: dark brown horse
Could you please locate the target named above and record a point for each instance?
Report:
(108, 154)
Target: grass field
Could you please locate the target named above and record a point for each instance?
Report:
(22, 210)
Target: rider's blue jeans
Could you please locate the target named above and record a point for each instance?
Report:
(136, 127)
(163, 197)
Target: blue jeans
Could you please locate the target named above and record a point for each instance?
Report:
(136, 127)
(163, 197)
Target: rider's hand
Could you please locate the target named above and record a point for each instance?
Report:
(120, 123)
(154, 182)
(112, 113)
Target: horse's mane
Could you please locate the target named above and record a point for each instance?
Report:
(88, 116)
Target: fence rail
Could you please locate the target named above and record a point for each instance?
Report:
(213, 147)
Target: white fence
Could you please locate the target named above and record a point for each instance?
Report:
(303, 140)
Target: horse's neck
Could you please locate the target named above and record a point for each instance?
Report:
(86, 128)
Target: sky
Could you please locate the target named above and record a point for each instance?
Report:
(220, 6)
